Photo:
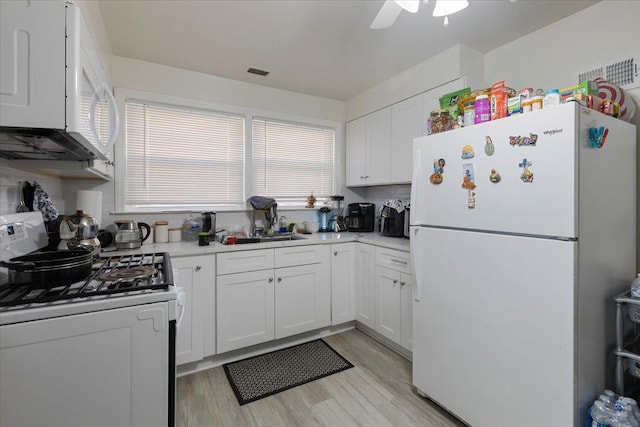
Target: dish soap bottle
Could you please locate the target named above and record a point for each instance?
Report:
(282, 225)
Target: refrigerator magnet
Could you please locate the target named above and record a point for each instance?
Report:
(527, 175)
(521, 141)
(471, 200)
(494, 176)
(468, 176)
(438, 169)
(489, 149)
(468, 152)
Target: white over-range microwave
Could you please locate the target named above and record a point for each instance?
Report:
(55, 103)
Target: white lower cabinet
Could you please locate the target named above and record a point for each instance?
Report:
(245, 310)
(288, 293)
(365, 291)
(303, 299)
(394, 286)
(343, 278)
(196, 334)
(393, 311)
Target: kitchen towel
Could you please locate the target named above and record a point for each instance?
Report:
(91, 203)
(43, 203)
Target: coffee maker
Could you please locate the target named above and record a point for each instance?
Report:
(361, 217)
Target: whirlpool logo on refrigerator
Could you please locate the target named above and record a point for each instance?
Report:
(552, 132)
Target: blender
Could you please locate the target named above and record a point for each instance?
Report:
(337, 221)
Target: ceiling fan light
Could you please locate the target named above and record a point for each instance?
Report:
(449, 7)
(409, 5)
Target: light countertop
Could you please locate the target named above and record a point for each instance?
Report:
(181, 249)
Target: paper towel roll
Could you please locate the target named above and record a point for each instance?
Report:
(91, 203)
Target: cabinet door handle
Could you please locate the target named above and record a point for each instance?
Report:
(395, 281)
(402, 283)
(361, 177)
(366, 176)
(335, 253)
(198, 268)
(279, 279)
(398, 261)
(270, 279)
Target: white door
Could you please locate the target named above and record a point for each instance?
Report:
(407, 284)
(342, 283)
(32, 40)
(107, 368)
(378, 168)
(245, 304)
(365, 285)
(545, 206)
(356, 140)
(406, 124)
(302, 299)
(494, 326)
(195, 336)
(389, 304)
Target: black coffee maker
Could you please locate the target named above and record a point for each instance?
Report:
(361, 217)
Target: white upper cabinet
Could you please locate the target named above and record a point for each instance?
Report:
(368, 149)
(406, 124)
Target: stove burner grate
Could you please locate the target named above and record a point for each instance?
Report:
(130, 273)
(116, 275)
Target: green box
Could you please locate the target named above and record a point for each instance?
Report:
(586, 87)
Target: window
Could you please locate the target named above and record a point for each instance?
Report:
(290, 160)
(178, 156)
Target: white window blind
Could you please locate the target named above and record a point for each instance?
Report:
(292, 160)
(178, 156)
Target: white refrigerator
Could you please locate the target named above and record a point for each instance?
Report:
(522, 231)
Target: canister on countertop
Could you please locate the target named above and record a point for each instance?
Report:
(161, 231)
(203, 238)
(175, 234)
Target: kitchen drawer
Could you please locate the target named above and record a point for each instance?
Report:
(394, 259)
(243, 261)
(301, 255)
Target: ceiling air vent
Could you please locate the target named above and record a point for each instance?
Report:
(257, 71)
(623, 73)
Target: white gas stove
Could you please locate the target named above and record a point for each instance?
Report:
(99, 351)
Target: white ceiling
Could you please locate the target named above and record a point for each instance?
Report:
(317, 47)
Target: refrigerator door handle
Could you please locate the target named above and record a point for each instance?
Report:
(413, 246)
(414, 180)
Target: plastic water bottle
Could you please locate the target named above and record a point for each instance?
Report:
(600, 414)
(635, 287)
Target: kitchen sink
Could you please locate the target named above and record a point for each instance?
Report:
(270, 238)
(279, 237)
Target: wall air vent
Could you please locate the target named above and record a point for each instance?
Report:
(622, 73)
(257, 71)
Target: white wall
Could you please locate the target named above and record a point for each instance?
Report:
(145, 76)
(459, 61)
(11, 187)
(550, 57)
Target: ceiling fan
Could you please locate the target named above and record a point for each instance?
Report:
(391, 9)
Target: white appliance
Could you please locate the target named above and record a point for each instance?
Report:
(513, 307)
(99, 352)
(55, 103)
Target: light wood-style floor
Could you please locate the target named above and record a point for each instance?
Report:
(376, 392)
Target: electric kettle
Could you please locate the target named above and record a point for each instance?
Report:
(129, 234)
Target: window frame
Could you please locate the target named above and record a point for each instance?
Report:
(120, 152)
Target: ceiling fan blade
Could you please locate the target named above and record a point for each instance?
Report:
(389, 11)
(409, 5)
